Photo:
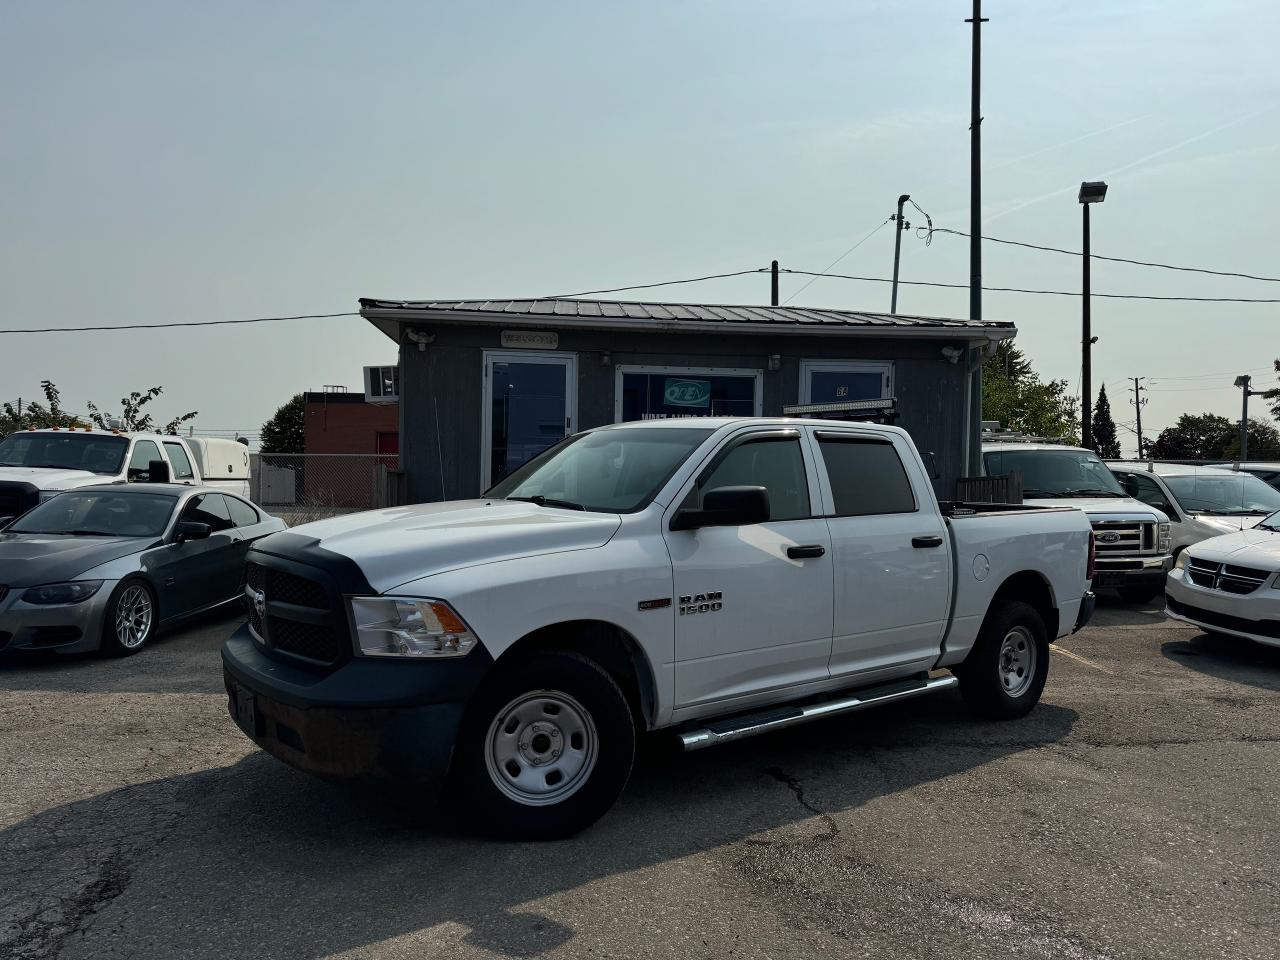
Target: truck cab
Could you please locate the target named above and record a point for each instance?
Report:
(1134, 548)
(38, 464)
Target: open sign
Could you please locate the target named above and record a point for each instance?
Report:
(687, 393)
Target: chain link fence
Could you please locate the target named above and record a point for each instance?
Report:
(300, 487)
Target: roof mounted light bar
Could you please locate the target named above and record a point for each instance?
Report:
(879, 410)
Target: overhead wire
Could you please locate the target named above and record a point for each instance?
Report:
(660, 283)
(868, 236)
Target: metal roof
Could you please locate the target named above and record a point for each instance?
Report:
(688, 317)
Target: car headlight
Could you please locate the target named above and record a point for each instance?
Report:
(409, 627)
(1183, 559)
(1166, 538)
(52, 593)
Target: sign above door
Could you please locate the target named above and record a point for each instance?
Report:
(530, 340)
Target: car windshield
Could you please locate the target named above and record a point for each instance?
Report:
(1271, 523)
(93, 452)
(98, 513)
(1238, 494)
(612, 471)
(1055, 473)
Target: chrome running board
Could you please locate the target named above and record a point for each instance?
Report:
(749, 725)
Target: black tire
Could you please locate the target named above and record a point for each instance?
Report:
(989, 680)
(548, 711)
(127, 592)
(1139, 594)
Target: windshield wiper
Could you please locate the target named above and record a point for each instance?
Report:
(542, 501)
(90, 533)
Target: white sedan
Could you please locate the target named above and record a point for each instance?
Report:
(1231, 584)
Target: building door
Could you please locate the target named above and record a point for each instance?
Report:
(530, 402)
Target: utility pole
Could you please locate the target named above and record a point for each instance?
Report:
(1244, 383)
(1138, 402)
(973, 456)
(1091, 192)
(900, 225)
(773, 295)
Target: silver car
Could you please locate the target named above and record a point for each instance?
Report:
(1201, 502)
(106, 567)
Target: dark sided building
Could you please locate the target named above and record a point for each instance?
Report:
(485, 385)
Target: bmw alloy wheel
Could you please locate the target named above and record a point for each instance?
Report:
(134, 613)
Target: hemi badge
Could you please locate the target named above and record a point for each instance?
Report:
(655, 604)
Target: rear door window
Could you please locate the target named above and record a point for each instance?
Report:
(242, 515)
(179, 461)
(866, 476)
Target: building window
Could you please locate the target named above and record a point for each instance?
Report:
(381, 384)
(834, 381)
(661, 393)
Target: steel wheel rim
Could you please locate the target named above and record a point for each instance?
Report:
(1017, 663)
(541, 748)
(133, 617)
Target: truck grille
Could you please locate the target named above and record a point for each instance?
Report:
(1226, 577)
(1124, 538)
(316, 633)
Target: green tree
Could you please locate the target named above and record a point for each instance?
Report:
(1274, 396)
(1013, 394)
(284, 432)
(1204, 436)
(1264, 442)
(1104, 428)
(37, 414)
(133, 416)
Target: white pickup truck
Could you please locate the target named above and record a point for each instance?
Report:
(715, 578)
(38, 464)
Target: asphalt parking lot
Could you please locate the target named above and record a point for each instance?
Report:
(1133, 814)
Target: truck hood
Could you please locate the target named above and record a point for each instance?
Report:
(1247, 548)
(1099, 505)
(400, 544)
(52, 478)
(27, 559)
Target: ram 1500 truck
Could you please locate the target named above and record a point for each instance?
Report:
(1134, 547)
(38, 464)
(713, 578)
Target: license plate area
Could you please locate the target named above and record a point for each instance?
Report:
(244, 710)
(1108, 579)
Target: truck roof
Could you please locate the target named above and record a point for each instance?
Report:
(711, 424)
(100, 431)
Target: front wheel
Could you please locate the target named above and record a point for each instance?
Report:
(130, 619)
(1005, 672)
(545, 748)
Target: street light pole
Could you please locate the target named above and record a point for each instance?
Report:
(897, 251)
(1091, 192)
(1244, 383)
(973, 450)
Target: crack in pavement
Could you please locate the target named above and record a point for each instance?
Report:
(793, 784)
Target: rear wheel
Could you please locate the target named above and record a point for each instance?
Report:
(1005, 672)
(130, 619)
(545, 748)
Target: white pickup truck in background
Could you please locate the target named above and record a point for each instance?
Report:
(38, 464)
(715, 578)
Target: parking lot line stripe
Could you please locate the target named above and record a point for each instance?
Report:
(1075, 656)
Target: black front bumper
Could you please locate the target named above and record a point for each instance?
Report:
(368, 718)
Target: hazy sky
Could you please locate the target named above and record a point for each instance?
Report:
(200, 161)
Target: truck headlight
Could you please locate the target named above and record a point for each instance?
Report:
(1183, 559)
(54, 593)
(409, 627)
(1166, 538)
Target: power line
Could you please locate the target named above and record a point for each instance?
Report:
(1053, 293)
(1095, 256)
(660, 283)
(871, 234)
(181, 323)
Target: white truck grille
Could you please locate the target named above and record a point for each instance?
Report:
(1124, 538)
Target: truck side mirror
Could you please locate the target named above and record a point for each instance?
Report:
(726, 507)
(931, 465)
(157, 472)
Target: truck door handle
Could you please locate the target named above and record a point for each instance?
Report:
(926, 541)
(809, 552)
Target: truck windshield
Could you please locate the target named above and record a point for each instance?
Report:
(91, 452)
(611, 471)
(97, 513)
(1055, 473)
(1242, 494)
